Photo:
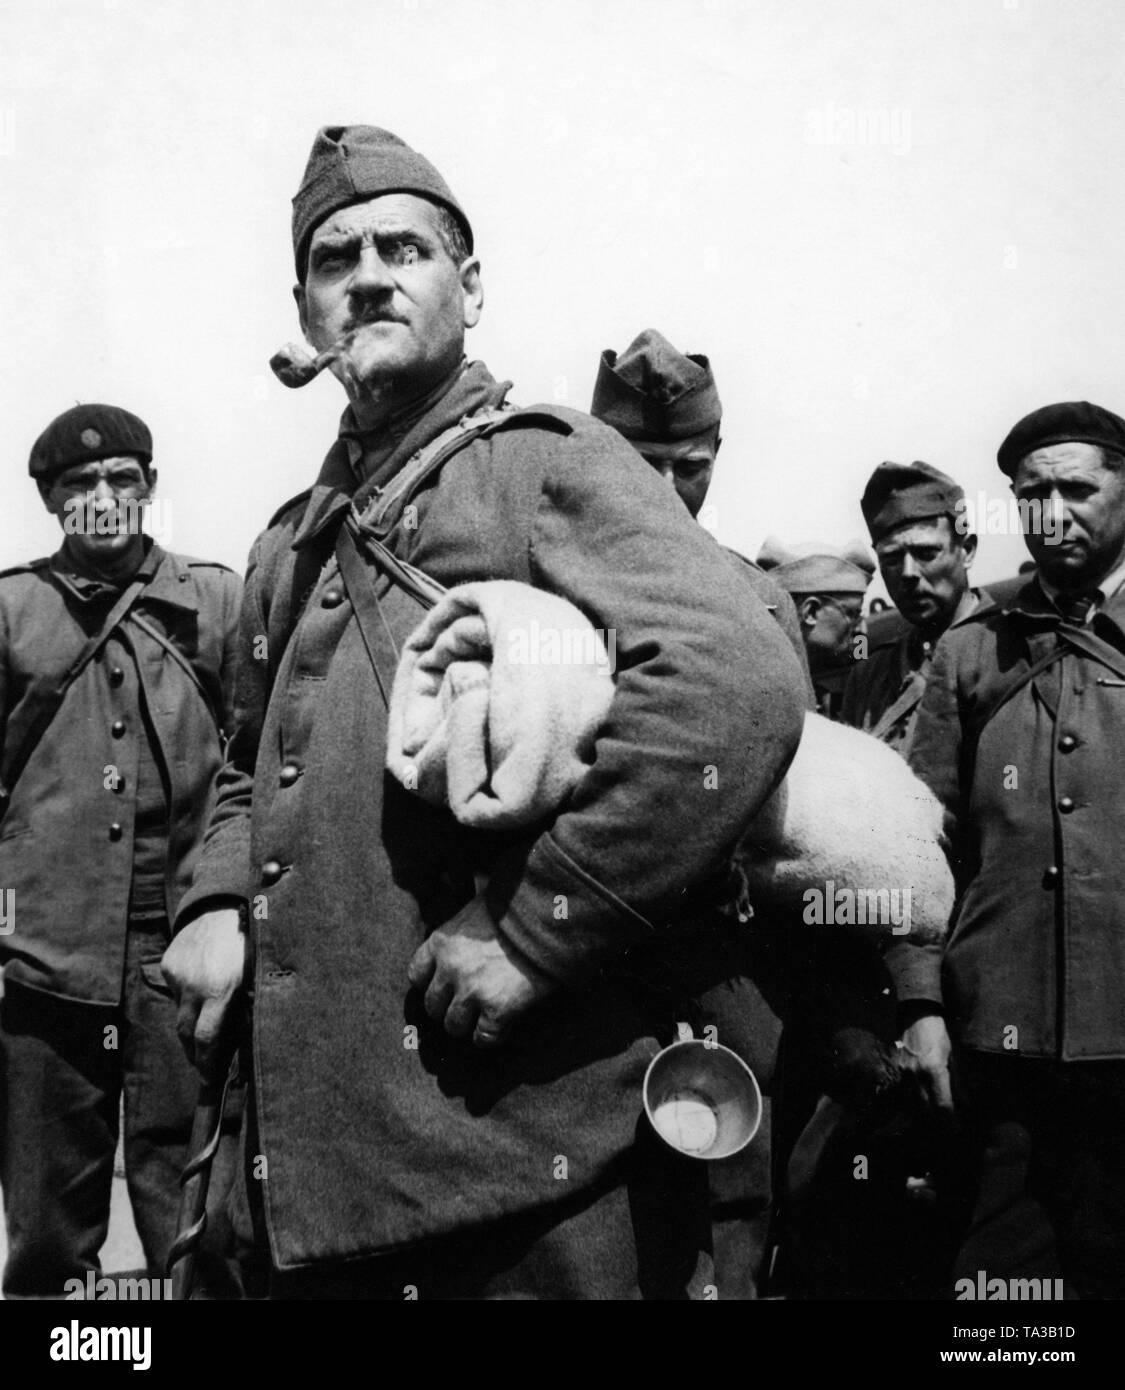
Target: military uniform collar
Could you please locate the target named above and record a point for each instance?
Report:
(1034, 603)
(361, 443)
(921, 645)
(167, 579)
(1106, 590)
(471, 389)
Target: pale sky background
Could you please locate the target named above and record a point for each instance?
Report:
(681, 164)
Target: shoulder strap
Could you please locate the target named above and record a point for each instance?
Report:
(908, 700)
(417, 583)
(41, 712)
(1094, 646)
(362, 533)
(184, 664)
(384, 509)
(1023, 679)
(1071, 638)
(377, 639)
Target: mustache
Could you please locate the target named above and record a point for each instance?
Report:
(370, 311)
(294, 367)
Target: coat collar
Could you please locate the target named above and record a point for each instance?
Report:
(335, 489)
(168, 580)
(1032, 604)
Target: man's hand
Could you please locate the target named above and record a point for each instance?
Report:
(923, 1053)
(204, 967)
(475, 980)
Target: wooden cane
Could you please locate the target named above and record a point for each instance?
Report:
(206, 1131)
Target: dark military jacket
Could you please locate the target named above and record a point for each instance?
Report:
(884, 691)
(1034, 800)
(377, 1128)
(66, 840)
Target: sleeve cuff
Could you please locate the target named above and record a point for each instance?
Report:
(561, 918)
(915, 971)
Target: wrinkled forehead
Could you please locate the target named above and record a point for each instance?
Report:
(100, 467)
(1059, 463)
(388, 213)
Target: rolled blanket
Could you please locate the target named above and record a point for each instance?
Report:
(851, 838)
(497, 697)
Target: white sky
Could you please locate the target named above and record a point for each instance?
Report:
(625, 165)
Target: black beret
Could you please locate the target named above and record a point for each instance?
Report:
(351, 163)
(1070, 422)
(897, 493)
(652, 392)
(88, 432)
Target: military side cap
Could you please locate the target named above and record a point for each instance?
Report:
(351, 163)
(86, 433)
(1071, 422)
(897, 493)
(821, 573)
(775, 552)
(653, 392)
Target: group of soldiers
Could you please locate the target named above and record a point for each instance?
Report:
(441, 1034)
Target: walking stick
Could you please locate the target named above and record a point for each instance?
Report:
(206, 1131)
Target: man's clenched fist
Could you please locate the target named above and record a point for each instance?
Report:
(204, 967)
(474, 979)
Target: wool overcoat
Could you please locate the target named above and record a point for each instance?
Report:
(377, 1129)
(1035, 801)
(66, 839)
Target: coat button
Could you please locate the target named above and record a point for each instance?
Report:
(288, 774)
(1066, 805)
(1067, 743)
(332, 598)
(115, 831)
(1050, 876)
(117, 728)
(116, 675)
(271, 872)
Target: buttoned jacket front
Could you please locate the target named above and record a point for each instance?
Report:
(1035, 801)
(378, 1129)
(66, 839)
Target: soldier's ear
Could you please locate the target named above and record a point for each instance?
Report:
(472, 290)
(808, 610)
(969, 549)
(151, 476)
(302, 308)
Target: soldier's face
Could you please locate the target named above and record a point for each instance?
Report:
(101, 506)
(1086, 535)
(686, 465)
(925, 568)
(378, 271)
(829, 623)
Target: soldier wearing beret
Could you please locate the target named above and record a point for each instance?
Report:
(915, 514)
(827, 586)
(116, 681)
(451, 1029)
(1016, 734)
